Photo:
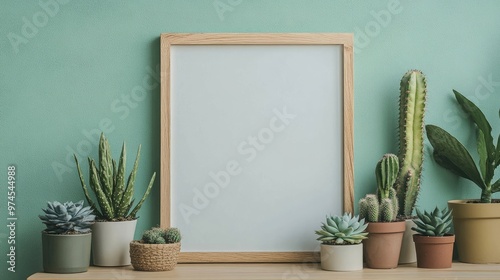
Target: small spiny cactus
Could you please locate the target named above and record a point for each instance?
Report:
(386, 173)
(153, 236)
(172, 235)
(158, 235)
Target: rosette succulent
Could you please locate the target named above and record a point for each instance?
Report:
(435, 223)
(68, 217)
(342, 230)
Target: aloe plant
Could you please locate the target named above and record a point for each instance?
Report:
(452, 155)
(107, 180)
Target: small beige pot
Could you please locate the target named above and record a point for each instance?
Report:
(476, 230)
(342, 257)
(110, 242)
(408, 253)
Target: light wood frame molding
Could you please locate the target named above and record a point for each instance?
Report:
(170, 39)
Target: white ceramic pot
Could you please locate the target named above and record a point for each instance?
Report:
(408, 253)
(110, 242)
(342, 257)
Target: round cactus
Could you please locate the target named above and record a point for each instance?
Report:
(158, 235)
(153, 236)
(172, 235)
(342, 230)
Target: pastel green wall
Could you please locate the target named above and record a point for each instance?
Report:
(78, 68)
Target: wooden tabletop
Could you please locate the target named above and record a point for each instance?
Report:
(282, 271)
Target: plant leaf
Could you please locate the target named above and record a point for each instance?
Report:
(483, 153)
(120, 181)
(105, 167)
(85, 190)
(495, 187)
(138, 206)
(129, 191)
(452, 155)
(106, 208)
(482, 123)
(498, 152)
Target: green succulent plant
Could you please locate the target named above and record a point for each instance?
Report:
(107, 180)
(382, 207)
(435, 223)
(452, 155)
(172, 235)
(158, 235)
(154, 236)
(342, 230)
(68, 217)
(413, 93)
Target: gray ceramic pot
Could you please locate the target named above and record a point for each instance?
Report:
(66, 253)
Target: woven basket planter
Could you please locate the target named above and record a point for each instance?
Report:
(154, 257)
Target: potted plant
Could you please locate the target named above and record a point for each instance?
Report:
(413, 92)
(433, 243)
(472, 217)
(116, 218)
(158, 250)
(382, 249)
(67, 238)
(341, 247)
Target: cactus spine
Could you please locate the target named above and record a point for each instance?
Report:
(411, 149)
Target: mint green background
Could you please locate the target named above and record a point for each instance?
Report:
(90, 54)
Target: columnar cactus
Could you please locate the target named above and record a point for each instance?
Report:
(413, 91)
(386, 172)
(68, 217)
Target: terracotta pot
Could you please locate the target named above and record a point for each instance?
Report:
(342, 257)
(381, 249)
(434, 251)
(408, 254)
(476, 228)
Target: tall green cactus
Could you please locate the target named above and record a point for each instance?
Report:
(411, 137)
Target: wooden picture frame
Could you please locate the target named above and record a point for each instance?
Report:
(171, 40)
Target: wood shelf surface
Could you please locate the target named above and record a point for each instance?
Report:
(280, 271)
